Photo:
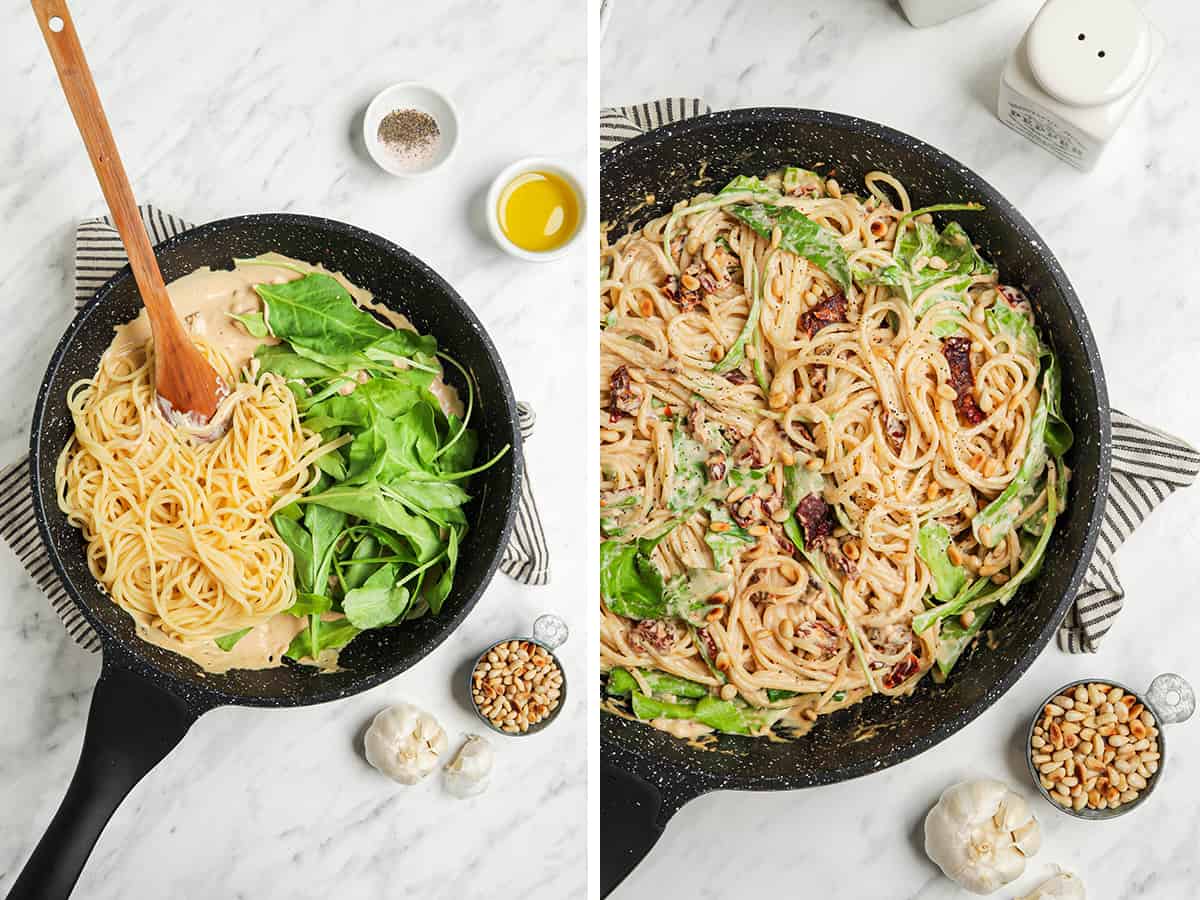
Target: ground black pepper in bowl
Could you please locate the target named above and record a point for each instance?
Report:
(410, 135)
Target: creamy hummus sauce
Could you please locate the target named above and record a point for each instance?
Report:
(205, 301)
(681, 728)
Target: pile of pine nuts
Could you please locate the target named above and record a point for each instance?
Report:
(1095, 746)
(516, 685)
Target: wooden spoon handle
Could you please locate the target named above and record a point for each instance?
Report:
(59, 31)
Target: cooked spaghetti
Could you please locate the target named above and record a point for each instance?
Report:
(830, 447)
(178, 531)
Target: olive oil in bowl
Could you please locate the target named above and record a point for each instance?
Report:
(535, 210)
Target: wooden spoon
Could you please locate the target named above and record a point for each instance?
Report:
(188, 387)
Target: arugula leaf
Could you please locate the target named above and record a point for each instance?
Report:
(728, 544)
(299, 541)
(796, 180)
(686, 595)
(404, 343)
(734, 355)
(690, 475)
(996, 520)
(933, 539)
(1059, 436)
(954, 638)
(722, 715)
(630, 583)
(800, 235)
(254, 324)
(621, 684)
(743, 189)
(325, 526)
(922, 244)
(371, 502)
(332, 464)
(321, 635)
(317, 313)
(355, 573)
(441, 588)
(1014, 326)
(953, 607)
(307, 604)
(646, 708)
(287, 363)
(378, 602)
(228, 641)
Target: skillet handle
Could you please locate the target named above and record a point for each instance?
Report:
(633, 814)
(132, 725)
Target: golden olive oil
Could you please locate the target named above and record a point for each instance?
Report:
(538, 211)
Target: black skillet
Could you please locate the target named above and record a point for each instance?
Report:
(147, 698)
(647, 775)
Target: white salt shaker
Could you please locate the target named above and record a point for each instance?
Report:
(1076, 73)
(923, 13)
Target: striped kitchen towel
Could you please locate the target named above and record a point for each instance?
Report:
(1147, 465)
(99, 253)
(620, 123)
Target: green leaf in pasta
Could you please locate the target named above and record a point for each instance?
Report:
(228, 641)
(378, 602)
(933, 540)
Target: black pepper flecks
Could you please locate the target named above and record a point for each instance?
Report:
(410, 134)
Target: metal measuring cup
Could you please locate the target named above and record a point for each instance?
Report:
(549, 632)
(1170, 699)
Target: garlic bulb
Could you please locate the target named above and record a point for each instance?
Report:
(1063, 886)
(980, 834)
(467, 774)
(404, 743)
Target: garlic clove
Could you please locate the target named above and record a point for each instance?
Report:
(1028, 838)
(1063, 886)
(467, 774)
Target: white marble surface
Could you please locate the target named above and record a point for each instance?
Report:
(227, 107)
(1126, 235)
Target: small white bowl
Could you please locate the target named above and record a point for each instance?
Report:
(532, 164)
(411, 95)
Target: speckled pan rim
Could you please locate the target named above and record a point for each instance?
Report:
(211, 695)
(678, 784)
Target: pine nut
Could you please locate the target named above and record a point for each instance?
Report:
(1060, 755)
(1064, 701)
(1115, 694)
(1052, 710)
(1036, 741)
(1081, 694)
(1073, 715)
